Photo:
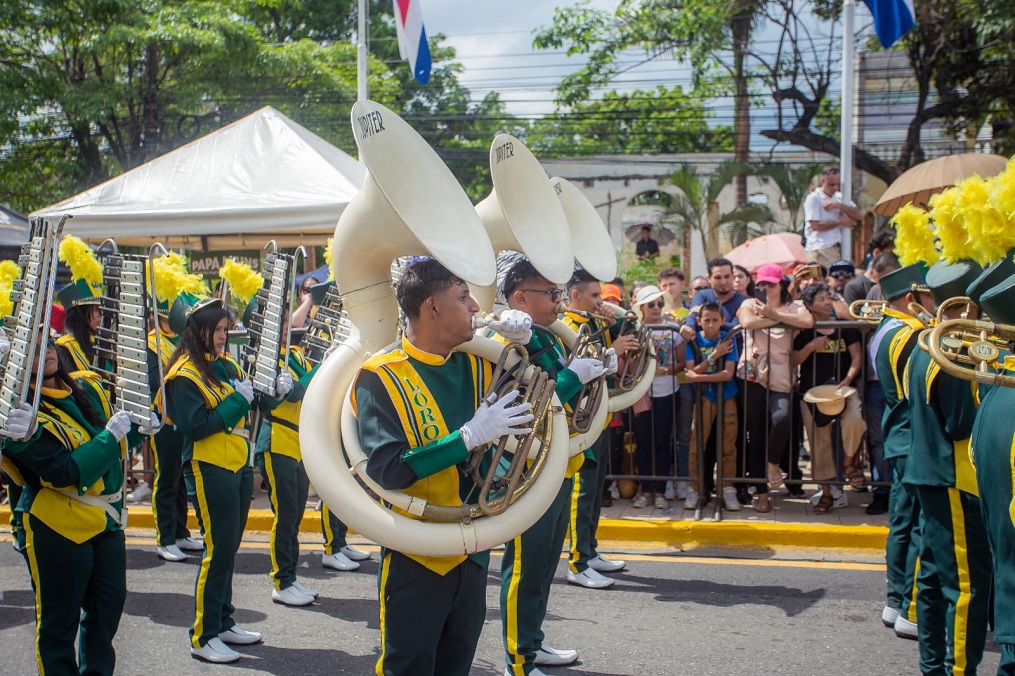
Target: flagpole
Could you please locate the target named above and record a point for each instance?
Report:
(846, 120)
(362, 86)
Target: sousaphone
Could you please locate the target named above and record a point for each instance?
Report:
(410, 204)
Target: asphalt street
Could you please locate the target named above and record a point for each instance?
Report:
(665, 615)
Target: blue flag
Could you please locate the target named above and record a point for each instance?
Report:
(892, 19)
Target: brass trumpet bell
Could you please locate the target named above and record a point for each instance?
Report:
(866, 310)
(972, 350)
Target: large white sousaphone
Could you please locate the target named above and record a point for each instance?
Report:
(524, 213)
(410, 204)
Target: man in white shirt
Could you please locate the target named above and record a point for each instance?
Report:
(825, 211)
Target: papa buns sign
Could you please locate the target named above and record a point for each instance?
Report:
(208, 263)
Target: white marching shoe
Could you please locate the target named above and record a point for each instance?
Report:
(590, 578)
(190, 544)
(605, 565)
(534, 672)
(171, 553)
(906, 629)
(216, 652)
(291, 596)
(339, 561)
(238, 636)
(142, 492)
(548, 656)
(354, 554)
(308, 591)
(889, 615)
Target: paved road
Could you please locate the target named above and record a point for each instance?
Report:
(666, 615)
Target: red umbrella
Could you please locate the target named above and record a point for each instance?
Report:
(785, 249)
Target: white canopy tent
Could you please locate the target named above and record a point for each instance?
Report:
(262, 177)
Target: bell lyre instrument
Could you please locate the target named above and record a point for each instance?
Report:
(28, 324)
(126, 311)
(328, 327)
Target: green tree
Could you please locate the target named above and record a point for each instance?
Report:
(794, 184)
(639, 122)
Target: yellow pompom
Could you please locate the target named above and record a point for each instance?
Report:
(9, 271)
(328, 256)
(179, 261)
(81, 260)
(195, 284)
(168, 278)
(1002, 192)
(914, 241)
(244, 281)
(950, 226)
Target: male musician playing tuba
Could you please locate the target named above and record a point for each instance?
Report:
(530, 559)
(585, 564)
(420, 410)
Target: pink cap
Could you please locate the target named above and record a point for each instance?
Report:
(770, 273)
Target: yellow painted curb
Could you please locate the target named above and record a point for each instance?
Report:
(669, 533)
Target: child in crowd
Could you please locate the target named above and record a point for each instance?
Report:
(712, 371)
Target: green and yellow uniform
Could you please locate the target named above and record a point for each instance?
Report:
(213, 421)
(169, 491)
(892, 344)
(281, 464)
(587, 490)
(72, 511)
(71, 353)
(530, 560)
(410, 406)
(953, 579)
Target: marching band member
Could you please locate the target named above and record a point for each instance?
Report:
(169, 491)
(208, 402)
(894, 341)
(432, 608)
(81, 300)
(991, 448)
(954, 578)
(585, 564)
(73, 516)
(530, 559)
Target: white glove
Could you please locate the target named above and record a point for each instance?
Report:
(246, 388)
(283, 384)
(5, 345)
(587, 370)
(19, 422)
(494, 420)
(514, 325)
(119, 425)
(613, 362)
(152, 427)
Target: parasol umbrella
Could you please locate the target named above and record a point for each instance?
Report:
(661, 234)
(918, 183)
(785, 249)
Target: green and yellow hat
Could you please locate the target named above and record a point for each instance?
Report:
(319, 291)
(185, 305)
(998, 303)
(86, 274)
(992, 275)
(948, 280)
(898, 283)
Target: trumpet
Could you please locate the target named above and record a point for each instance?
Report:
(866, 310)
(970, 309)
(971, 349)
(922, 313)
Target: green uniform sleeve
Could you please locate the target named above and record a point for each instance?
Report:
(392, 463)
(960, 412)
(55, 464)
(193, 419)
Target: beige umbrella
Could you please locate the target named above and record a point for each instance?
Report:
(918, 183)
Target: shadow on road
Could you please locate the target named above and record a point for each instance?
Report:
(176, 610)
(269, 659)
(359, 611)
(16, 608)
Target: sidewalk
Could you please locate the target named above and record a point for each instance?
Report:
(791, 523)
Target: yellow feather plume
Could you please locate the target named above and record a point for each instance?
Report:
(195, 284)
(9, 271)
(81, 260)
(243, 280)
(950, 226)
(914, 240)
(1002, 192)
(180, 261)
(168, 278)
(328, 256)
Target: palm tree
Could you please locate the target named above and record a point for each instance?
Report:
(794, 185)
(691, 208)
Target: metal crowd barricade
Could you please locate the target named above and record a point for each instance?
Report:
(740, 474)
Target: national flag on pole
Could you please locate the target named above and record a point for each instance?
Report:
(412, 43)
(892, 19)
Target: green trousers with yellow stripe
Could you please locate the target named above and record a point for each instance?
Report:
(222, 500)
(288, 486)
(529, 564)
(169, 492)
(953, 582)
(902, 549)
(13, 498)
(80, 590)
(430, 623)
(333, 530)
(587, 505)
